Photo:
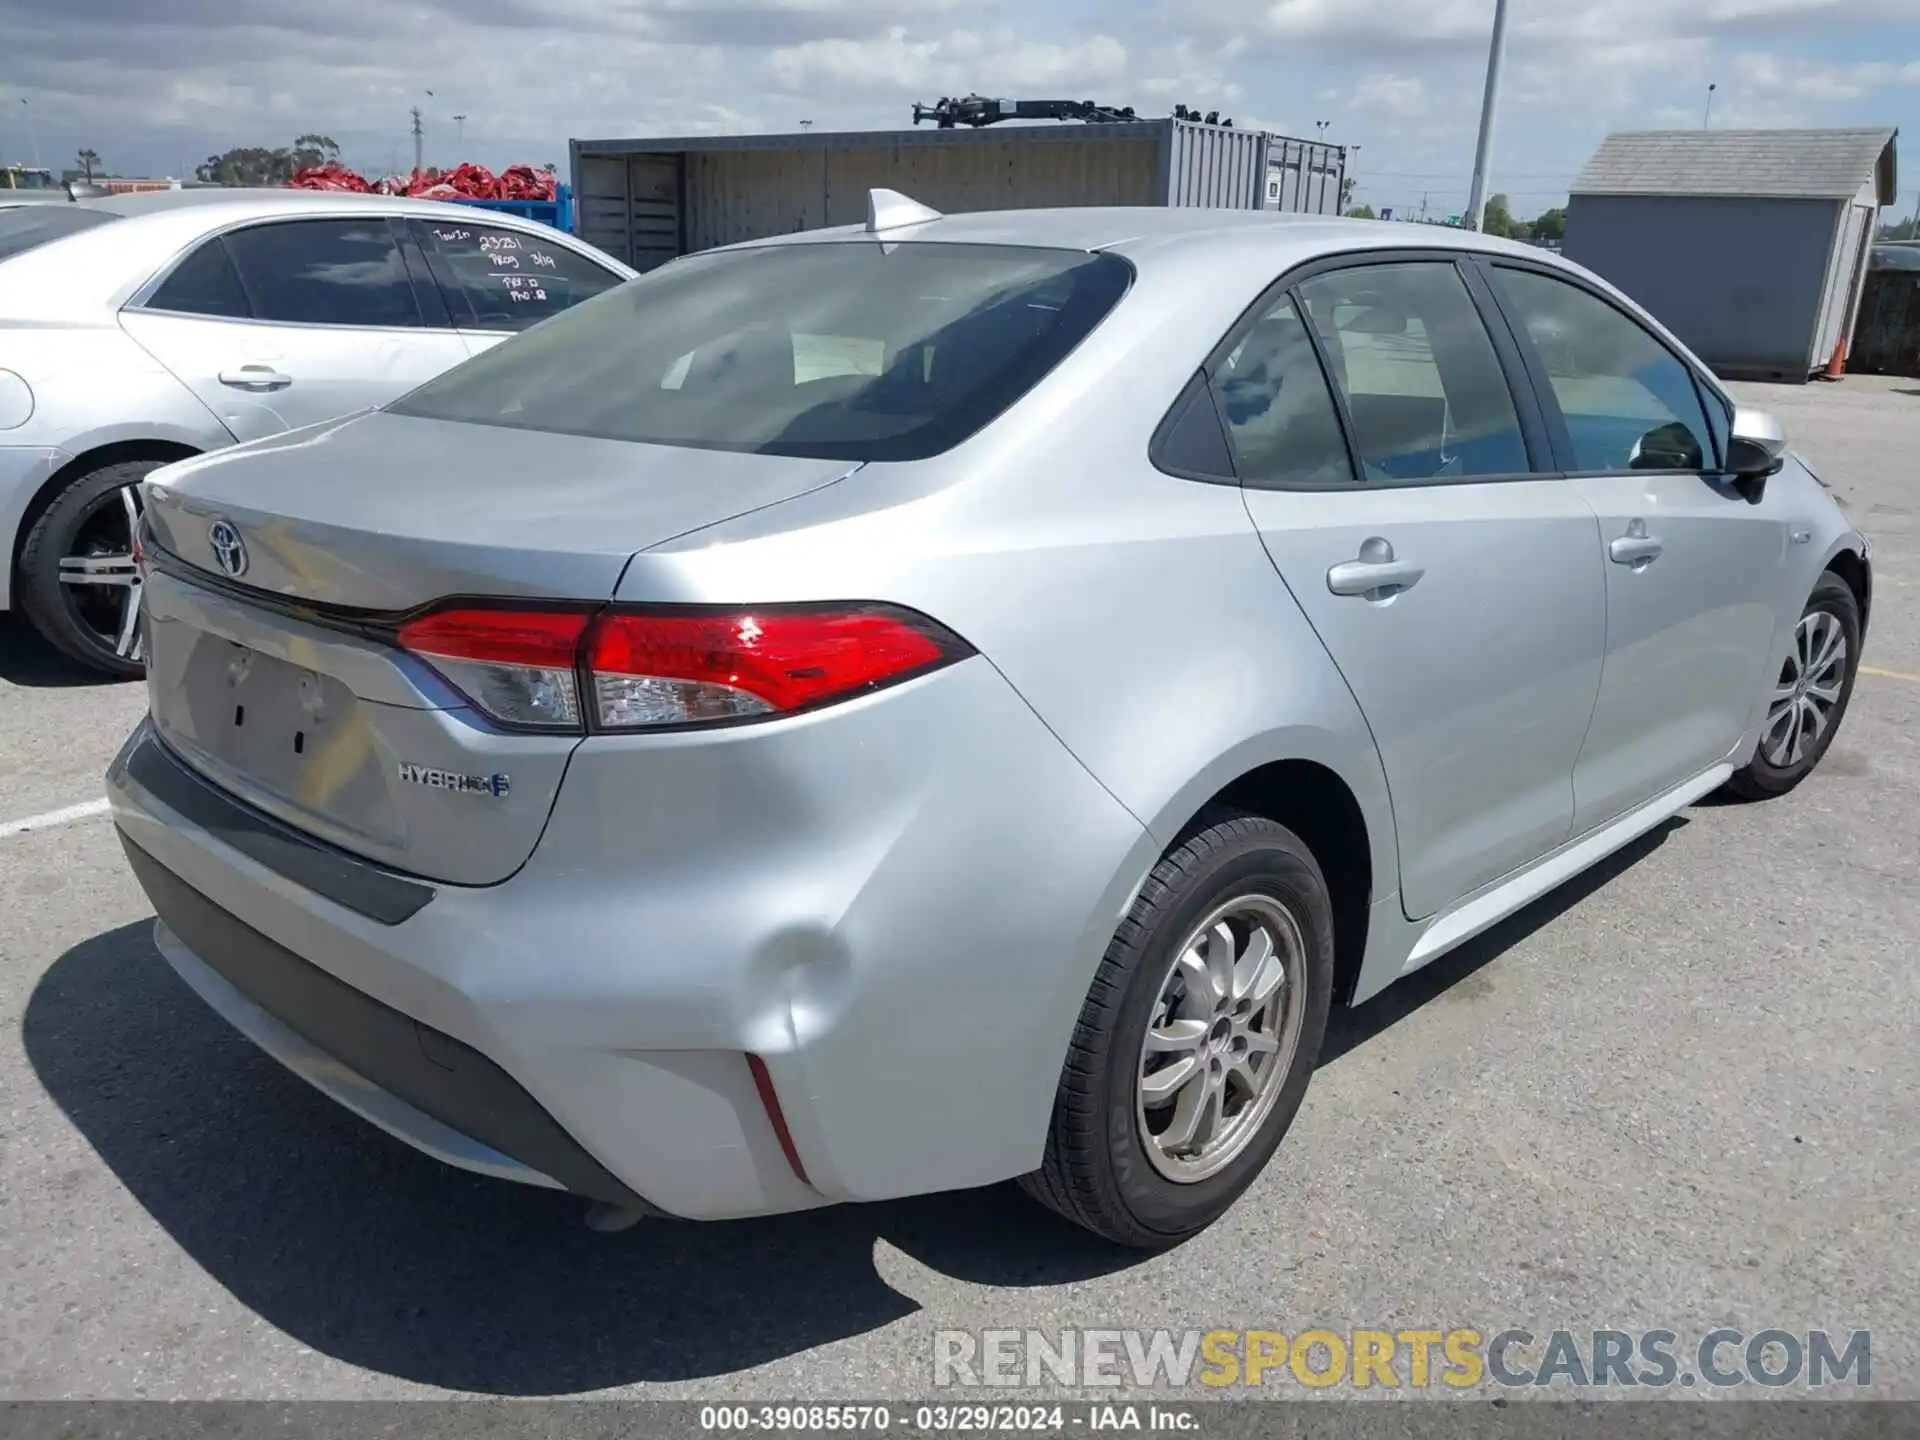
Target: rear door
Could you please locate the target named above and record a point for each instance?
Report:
(1692, 567)
(289, 322)
(1456, 586)
(498, 281)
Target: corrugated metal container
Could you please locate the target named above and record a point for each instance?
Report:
(647, 201)
(557, 212)
(1886, 339)
(1305, 176)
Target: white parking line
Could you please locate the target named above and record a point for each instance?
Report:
(52, 818)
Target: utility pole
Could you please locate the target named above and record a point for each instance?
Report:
(1477, 201)
(1423, 207)
(1707, 119)
(419, 142)
(33, 129)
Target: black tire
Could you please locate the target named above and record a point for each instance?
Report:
(1763, 779)
(1097, 1172)
(89, 505)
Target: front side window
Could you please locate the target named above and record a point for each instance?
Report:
(1280, 416)
(849, 350)
(500, 279)
(1629, 403)
(326, 272)
(1423, 384)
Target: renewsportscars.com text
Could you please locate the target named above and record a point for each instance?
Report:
(1455, 1358)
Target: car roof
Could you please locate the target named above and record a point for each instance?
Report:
(262, 201)
(1140, 230)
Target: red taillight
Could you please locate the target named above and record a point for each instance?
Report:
(665, 668)
(673, 667)
(516, 665)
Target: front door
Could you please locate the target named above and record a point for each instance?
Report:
(288, 323)
(1692, 567)
(1457, 590)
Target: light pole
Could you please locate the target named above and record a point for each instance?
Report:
(1707, 119)
(33, 130)
(460, 134)
(1483, 153)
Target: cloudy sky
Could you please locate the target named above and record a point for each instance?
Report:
(156, 85)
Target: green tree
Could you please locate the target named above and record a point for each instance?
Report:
(1552, 225)
(1362, 212)
(88, 164)
(1499, 217)
(258, 165)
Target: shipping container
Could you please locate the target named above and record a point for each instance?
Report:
(648, 200)
(557, 212)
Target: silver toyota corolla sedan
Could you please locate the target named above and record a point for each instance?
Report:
(896, 708)
(142, 329)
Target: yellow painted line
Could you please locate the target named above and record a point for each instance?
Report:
(1890, 674)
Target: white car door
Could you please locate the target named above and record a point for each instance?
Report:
(286, 323)
(1694, 568)
(1452, 578)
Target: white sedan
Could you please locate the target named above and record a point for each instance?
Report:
(143, 329)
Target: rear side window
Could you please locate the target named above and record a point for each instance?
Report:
(205, 283)
(325, 272)
(1280, 415)
(498, 279)
(28, 227)
(853, 351)
(1423, 383)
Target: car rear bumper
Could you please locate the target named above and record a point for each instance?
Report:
(900, 938)
(424, 1087)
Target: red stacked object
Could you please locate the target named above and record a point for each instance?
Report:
(464, 182)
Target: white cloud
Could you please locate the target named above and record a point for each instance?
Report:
(900, 63)
(1400, 97)
(159, 84)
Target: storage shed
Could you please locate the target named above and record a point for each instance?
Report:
(649, 200)
(1750, 245)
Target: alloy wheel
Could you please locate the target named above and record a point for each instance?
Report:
(99, 581)
(1811, 682)
(1221, 1038)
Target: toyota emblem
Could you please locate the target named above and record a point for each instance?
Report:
(229, 550)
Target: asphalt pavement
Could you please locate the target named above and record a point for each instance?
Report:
(1682, 1093)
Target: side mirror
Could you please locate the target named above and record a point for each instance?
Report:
(1756, 451)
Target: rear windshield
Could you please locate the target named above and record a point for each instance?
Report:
(848, 351)
(28, 227)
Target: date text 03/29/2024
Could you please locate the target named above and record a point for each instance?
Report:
(946, 1419)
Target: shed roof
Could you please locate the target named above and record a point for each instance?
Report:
(1798, 164)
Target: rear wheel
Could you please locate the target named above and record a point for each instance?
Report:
(1810, 697)
(78, 584)
(1198, 1038)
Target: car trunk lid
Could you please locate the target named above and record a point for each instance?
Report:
(278, 575)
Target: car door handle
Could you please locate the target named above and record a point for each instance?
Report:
(1636, 548)
(256, 378)
(1376, 574)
